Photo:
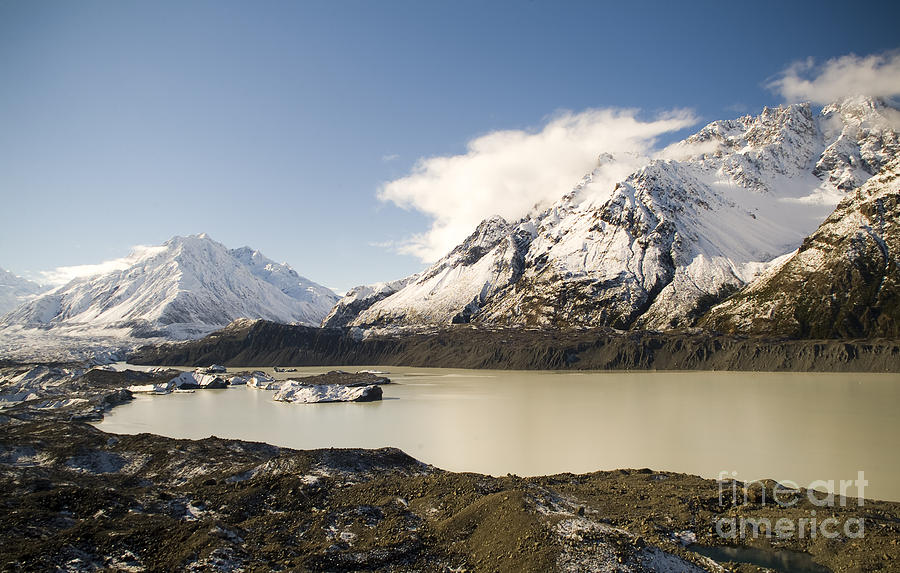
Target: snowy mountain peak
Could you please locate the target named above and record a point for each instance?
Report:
(186, 287)
(195, 241)
(863, 138)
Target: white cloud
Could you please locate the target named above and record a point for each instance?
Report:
(682, 150)
(892, 116)
(390, 157)
(877, 75)
(62, 275)
(508, 172)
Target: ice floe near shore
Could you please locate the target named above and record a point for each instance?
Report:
(162, 388)
(198, 379)
(262, 381)
(52, 385)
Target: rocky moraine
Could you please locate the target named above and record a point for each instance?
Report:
(77, 499)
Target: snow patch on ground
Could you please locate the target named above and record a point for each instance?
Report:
(592, 546)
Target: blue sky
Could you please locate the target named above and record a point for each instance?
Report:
(276, 124)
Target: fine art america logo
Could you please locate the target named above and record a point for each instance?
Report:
(801, 524)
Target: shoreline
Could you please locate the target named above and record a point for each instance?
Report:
(149, 502)
(463, 346)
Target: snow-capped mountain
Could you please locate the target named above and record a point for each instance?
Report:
(696, 223)
(184, 288)
(15, 290)
(360, 298)
(843, 282)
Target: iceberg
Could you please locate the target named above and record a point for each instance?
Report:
(293, 391)
(262, 381)
(163, 388)
(214, 369)
(189, 380)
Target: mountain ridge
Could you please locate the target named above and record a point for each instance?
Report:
(698, 222)
(187, 287)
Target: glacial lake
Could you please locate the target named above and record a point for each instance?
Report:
(785, 426)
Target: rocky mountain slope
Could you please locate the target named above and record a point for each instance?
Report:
(15, 290)
(843, 282)
(693, 225)
(187, 287)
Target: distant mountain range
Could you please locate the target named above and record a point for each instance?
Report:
(733, 229)
(684, 232)
(15, 290)
(185, 288)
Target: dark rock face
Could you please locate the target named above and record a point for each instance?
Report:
(469, 347)
(844, 282)
(266, 343)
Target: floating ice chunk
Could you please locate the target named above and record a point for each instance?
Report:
(262, 381)
(163, 388)
(214, 369)
(198, 380)
(293, 391)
